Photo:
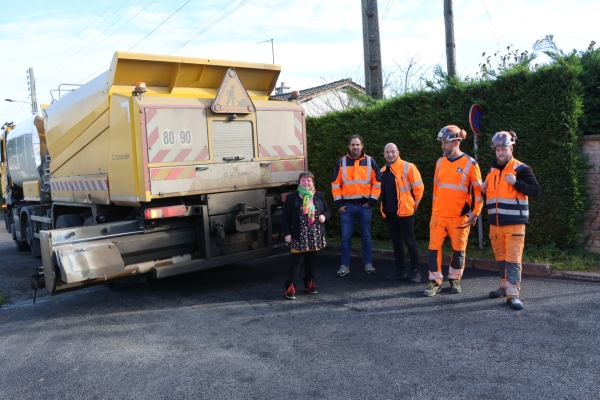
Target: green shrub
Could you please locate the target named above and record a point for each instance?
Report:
(543, 107)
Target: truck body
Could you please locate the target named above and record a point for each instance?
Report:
(162, 165)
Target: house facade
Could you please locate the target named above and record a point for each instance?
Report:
(320, 100)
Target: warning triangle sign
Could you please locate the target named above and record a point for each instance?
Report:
(232, 96)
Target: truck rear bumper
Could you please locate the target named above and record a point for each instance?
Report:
(74, 258)
(201, 264)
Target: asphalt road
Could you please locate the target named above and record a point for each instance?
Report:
(229, 333)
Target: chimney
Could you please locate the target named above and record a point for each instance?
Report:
(282, 89)
(294, 95)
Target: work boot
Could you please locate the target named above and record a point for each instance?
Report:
(514, 303)
(344, 270)
(290, 292)
(398, 274)
(369, 269)
(309, 286)
(432, 289)
(498, 293)
(455, 286)
(415, 277)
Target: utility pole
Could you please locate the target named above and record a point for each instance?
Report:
(272, 48)
(31, 84)
(372, 49)
(450, 46)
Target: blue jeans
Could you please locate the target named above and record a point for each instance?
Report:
(347, 220)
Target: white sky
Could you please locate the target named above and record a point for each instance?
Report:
(73, 41)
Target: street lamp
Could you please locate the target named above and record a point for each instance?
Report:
(16, 101)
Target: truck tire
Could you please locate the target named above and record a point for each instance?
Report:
(68, 221)
(89, 221)
(21, 246)
(6, 221)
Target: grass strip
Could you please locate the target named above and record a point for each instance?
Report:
(578, 260)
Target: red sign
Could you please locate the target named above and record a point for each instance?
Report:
(475, 116)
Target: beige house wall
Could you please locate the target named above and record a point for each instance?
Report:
(590, 145)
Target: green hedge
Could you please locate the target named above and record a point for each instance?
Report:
(543, 107)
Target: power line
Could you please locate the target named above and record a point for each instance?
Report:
(490, 18)
(96, 45)
(175, 46)
(107, 37)
(387, 10)
(159, 25)
(58, 54)
(235, 8)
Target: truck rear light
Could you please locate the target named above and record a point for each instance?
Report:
(164, 212)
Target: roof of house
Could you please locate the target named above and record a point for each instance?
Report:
(309, 93)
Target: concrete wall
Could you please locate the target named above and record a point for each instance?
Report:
(590, 145)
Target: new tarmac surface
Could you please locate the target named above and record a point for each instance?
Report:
(229, 333)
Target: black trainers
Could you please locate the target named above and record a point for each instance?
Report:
(398, 274)
(455, 286)
(415, 277)
(498, 293)
(514, 303)
(290, 292)
(432, 289)
(310, 287)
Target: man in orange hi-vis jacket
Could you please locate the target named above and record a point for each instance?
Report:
(355, 188)
(457, 177)
(401, 191)
(508, 187)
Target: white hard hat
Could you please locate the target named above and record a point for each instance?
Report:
(504, 139)
(451, 133)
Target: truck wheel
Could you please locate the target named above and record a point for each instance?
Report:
(6, 221)
(89, 221)
(33, 242)
(21, 246)
(68, 221)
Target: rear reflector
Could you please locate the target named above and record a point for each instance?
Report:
(164, 212)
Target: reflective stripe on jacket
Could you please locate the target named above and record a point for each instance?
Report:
(355, 180)
(409, 186)
(505, 204)
(453, 183)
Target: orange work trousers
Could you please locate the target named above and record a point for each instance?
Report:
(507, 242)
(458, 230)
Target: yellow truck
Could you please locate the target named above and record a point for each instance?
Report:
(162, 165)
(7, 127)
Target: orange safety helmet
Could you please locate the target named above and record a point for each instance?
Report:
(504, 139)
(451, 133)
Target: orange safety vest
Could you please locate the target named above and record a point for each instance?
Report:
(453, 183)
(409, 186)
(505, 204)
(355, 179)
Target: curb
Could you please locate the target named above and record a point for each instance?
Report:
(532, 269)
(581, 276)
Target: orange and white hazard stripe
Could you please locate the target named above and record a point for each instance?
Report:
(284, 166)
(169, 174)
(156, 154)
(291, 149)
